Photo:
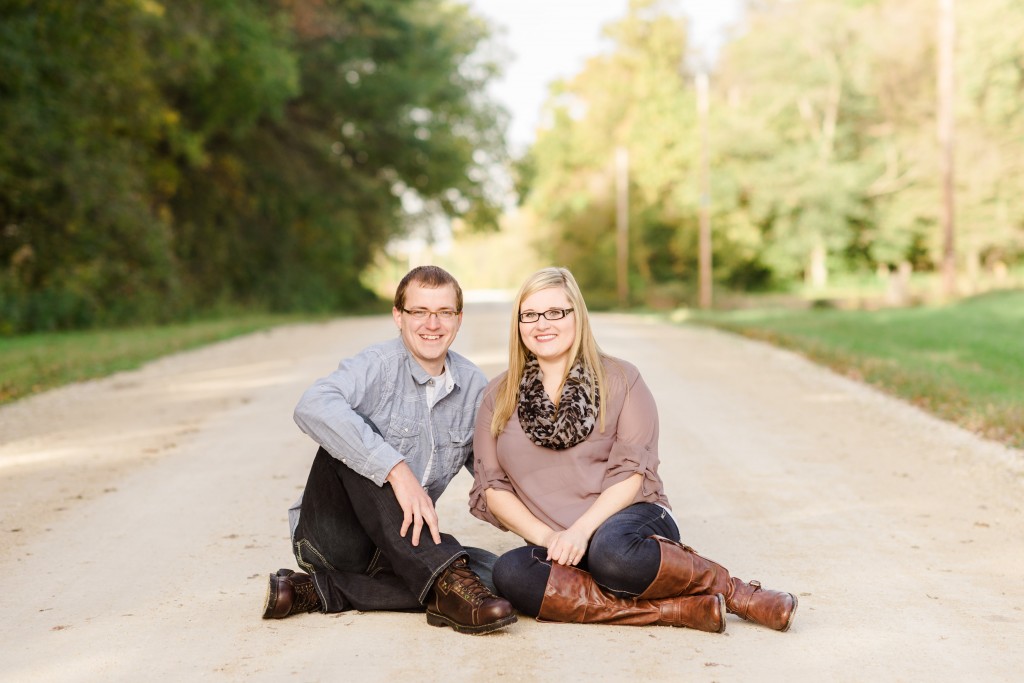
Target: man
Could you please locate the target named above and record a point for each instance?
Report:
(394, 424)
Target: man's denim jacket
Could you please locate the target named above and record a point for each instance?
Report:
(386, 385)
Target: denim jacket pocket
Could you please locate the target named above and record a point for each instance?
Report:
(404, 435)
(457, 450)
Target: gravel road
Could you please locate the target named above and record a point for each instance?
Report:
(142, 513)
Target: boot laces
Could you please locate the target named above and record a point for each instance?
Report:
(467, 583)
(306, 598)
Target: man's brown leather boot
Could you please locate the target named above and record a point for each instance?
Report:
(288, 593)
(572, 596)
(460, 600)
(684, 572)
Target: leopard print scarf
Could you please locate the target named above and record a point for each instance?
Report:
(568, 424)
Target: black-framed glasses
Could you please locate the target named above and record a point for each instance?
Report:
(445, 314)
(550, 314)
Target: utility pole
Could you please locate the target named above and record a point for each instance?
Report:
(946, 130)
(704, 249)
(622, 224)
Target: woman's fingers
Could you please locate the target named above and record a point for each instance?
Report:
(564, 551)
(567, 547)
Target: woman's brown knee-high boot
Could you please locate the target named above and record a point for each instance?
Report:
(572, 596)
(684, 572)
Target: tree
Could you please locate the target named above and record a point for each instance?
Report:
(798, 117)
(78, 239)
(178, 157)
(635, 97)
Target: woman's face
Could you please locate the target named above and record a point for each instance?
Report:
(549, 340)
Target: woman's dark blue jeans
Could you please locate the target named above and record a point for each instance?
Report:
(621, 557)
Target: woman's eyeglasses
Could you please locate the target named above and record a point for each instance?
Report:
(550, 314)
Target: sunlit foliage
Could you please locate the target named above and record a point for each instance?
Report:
(823, 145)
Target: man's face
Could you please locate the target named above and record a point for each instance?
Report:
(428, 338)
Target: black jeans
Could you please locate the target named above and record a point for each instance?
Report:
(622, 557)
(348, 541)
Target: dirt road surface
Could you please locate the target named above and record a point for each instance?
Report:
(141, 515)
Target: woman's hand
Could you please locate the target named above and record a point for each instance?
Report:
(567, 547)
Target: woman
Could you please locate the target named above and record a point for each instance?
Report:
(566, 451)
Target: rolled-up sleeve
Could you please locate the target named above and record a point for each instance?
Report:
(331, 413)
(487, 473)
(636, 440)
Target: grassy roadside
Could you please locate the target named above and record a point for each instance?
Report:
(963, 362)
(37, 362)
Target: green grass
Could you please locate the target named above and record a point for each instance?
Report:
(963, 362)
(37, 362)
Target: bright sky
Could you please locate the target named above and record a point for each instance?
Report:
(551, 39)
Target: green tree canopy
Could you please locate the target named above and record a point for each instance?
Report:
(164, 158)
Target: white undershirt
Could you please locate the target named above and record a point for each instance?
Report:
(432, 385)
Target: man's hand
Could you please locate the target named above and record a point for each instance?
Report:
(567, 547)
(416, 505)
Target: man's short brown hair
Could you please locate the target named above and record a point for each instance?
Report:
(431, 277)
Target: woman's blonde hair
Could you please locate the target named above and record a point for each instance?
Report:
(584, 346)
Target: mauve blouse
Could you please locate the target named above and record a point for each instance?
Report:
(559, 486)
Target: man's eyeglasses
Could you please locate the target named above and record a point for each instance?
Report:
(445, 314)
(550, 314)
